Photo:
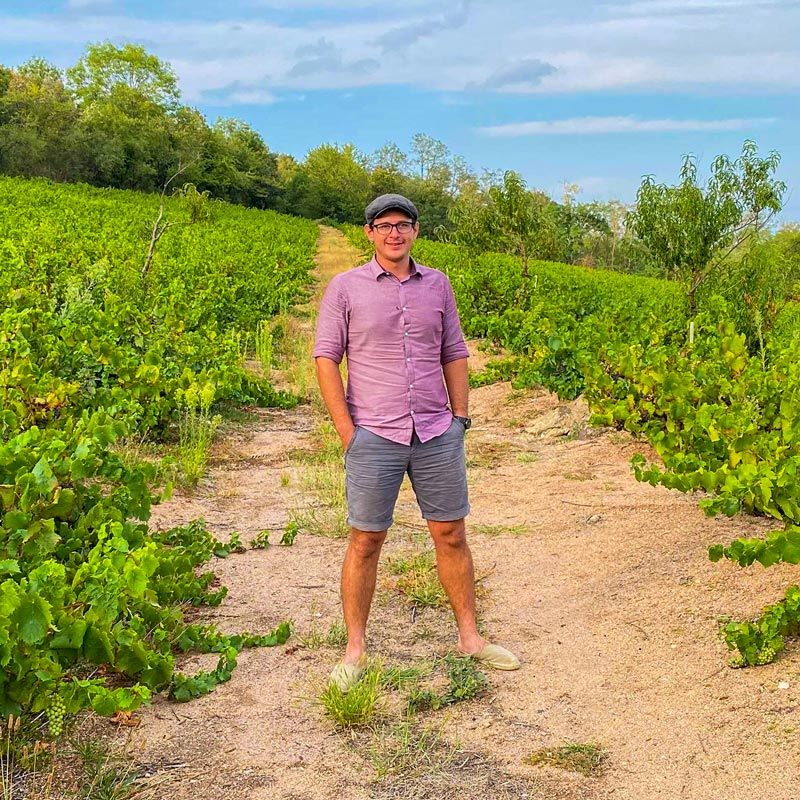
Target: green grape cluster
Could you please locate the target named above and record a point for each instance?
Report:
(55, 716)
(765, 656)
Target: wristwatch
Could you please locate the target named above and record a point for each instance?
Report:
(465, 421)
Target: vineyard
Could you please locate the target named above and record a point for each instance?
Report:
(111, 333)
(130, 319)
(721, 417)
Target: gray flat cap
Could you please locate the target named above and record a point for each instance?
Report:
(389, 202)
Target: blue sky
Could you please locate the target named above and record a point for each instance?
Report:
(593, 93)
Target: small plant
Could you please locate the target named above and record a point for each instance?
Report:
(106, 776)
(498, 530)
(360, 705)
(587, 759)
(398, 677)
(405, 749)
(196, 429)
(284, 479)
(263, 345)
(261, 540)
(336, 635)
(465, 681)
(290, 533)
(422, 699)
(417, 579)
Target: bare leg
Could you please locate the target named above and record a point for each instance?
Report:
(359, 573)
(456, 572)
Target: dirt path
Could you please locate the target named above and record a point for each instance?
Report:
(601, 585)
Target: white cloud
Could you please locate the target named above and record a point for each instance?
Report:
(585, 126)
(570, 47)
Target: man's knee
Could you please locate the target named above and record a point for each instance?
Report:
(451, 534)
(366, 544)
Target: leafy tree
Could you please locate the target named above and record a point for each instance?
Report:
(37, 116)
(108, 73)
(126, 132)
(333, 182)
(389, 158)
(508, 219)
(691, 230)
(430, 156)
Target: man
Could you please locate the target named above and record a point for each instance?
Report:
(397, 323)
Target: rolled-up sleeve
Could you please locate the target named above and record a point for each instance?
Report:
(453, 346)
(331, 335)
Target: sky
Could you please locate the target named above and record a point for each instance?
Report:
(596, 94)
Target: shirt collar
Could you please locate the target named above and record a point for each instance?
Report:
(377, 270)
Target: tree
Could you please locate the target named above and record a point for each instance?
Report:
(333, 182)
(508, 219)
(128, 100)
(430, 155)
(37, 116)
(109, 73)
(691, 231)
(389, 158)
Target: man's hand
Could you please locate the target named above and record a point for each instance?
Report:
(347, 438)
(331, 388)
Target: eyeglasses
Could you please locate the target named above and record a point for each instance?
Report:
(385, 228)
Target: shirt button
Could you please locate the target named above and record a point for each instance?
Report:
(406, 333)
(411, 386)
(408, 359)
(412, 412)
(405, 307)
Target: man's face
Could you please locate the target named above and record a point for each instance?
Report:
(393, 246)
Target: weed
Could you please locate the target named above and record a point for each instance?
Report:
(587, 759)
(336, 635)
(263, 346)
(581, 475)
(196, 429)
(398, 677)
(527, 458)
(106, 776)
(498, 530)
(261, 540)
(409, 750)
(465, 681)
(422, 699)
(312, 640)
(284, 479)
(486, 455)
(360, 705)
(328, 522)
(417, 579)
(290, 533)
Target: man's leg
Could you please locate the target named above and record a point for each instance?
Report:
(359, 573)
(457, 574)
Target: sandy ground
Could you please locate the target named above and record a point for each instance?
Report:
(600, 584)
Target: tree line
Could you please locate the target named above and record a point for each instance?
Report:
(115, 119)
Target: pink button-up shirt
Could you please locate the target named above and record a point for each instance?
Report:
(396, 336)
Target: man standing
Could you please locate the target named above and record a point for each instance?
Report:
(397, 323)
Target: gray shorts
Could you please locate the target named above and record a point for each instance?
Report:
(375, 468)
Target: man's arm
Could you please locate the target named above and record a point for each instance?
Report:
(456, 378)
(331, 387)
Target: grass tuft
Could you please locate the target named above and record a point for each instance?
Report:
(416, 578)
(360, 705)
(587, 759)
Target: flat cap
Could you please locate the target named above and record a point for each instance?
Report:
(390, 202)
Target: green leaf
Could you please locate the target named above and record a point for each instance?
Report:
(32, 618)
(9, 566)
(97, 646)
(45, 480)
